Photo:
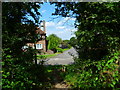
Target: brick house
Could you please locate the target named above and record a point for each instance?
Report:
(41, 44)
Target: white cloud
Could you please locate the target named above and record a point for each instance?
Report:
(43, 11)
(60, 32)
(60, 22)
(73, 35)
(69, 18)
(73, 30)
(73, 19)
(60, 27)
(67, 29)
(65, 20)
(57, 32)
(50, 23)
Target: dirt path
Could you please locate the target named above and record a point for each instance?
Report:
(58, 82)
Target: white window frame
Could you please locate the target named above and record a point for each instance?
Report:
(39, 46)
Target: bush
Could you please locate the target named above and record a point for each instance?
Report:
(60, 50)
(102, 74)
(54, 50)
(18, 73)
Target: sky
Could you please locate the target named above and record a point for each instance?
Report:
(62, 27)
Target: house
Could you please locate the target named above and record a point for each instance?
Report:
(41, 43)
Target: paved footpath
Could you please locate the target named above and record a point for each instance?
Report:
(62, 59)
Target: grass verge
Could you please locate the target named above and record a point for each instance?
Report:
(50, 55)
(46, 56)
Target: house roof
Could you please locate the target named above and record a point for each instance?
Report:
(40, 31)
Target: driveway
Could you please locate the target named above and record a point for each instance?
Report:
(62, 59)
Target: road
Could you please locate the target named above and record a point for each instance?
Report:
(62, 59)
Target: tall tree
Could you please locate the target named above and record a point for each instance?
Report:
(18, 29)
(54, 41)
(65, 44)
(73, 41)
(98, 26)
(98, 42)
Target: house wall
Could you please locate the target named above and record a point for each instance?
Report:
(43, 42)
(30, 44)
(42, 38)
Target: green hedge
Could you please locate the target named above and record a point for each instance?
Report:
(98, 75)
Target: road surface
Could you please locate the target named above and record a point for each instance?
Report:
(62, 59)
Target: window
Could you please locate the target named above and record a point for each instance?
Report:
(38, 46)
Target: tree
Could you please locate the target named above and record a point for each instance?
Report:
(65, 44)
(54, 41)
(98, 26)
(18, 29)
(98, 42)
(73, 41)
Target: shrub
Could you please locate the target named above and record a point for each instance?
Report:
(102, 74)
(59, 50)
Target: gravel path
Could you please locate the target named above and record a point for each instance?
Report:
(62, 59)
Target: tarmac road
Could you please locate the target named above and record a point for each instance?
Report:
(62, 59)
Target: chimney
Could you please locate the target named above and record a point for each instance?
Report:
(44, 28)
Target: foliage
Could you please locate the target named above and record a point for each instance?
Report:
(95, 75)
(55, 71)
(54, 41)
(45, 56)
(18, 30)
(98, 27)
(20, 74)
(60, 50)
(73, 42)
(97, 38)
(65, 44)
(97, 42)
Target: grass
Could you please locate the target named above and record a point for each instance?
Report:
(65, 49)
(45, 56)
(50, 55)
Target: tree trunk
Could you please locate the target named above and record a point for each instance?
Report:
(35, 54)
